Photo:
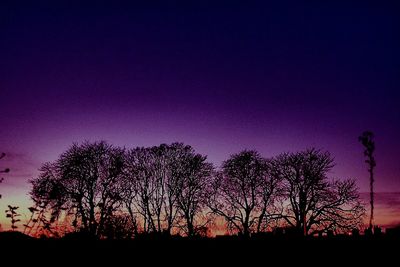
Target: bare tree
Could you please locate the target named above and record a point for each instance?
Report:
(367, 141)
(109, 192)
(160, 177)
(270, 192)
(162, 182)
(242, 191)
(84, 182)
(193, 175)
(138, 189)
(173, 153)
(316, 204)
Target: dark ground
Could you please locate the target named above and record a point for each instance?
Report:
(267, 251)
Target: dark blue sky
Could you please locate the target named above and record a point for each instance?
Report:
(221, 77)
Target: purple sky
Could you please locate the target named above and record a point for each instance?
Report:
(220, 78)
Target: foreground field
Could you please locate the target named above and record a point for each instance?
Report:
(382, 250)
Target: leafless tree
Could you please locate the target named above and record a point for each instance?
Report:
(162, 182)
(314, 203)
(84, 182)
(171, 183)
(243, 191)
(110, 192)
(193, 175)
(139, 187)
(270, 193)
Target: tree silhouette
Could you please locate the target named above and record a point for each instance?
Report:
(84, 182)
(32, 221)
(110, 192)
(39, 224)
(271, 191)
(172, 158)
(316, 204)
(242, 191)
(193, 176)
(142, 192)
(119, 226)
(367, 141)
(163, 182)
(12, 213)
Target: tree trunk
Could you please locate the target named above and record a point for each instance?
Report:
(371, 185)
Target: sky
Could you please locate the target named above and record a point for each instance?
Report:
(221, 77)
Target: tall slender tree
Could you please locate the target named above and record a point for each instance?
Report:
(367, 141)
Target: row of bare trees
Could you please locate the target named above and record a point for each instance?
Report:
(113, 192)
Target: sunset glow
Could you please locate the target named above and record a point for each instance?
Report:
(222, 79)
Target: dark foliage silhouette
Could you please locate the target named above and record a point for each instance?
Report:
(367, 141)
(12, 213)
(39, 223)
(119, 226)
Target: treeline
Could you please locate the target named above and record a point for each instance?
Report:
(112, 192)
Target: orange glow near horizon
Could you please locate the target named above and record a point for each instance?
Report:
(387, 212)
